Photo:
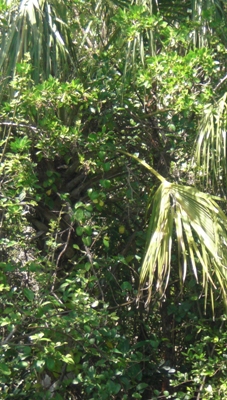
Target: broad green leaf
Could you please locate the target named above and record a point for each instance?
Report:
(141, 386)
(79, 230)
(4, 369)
(113, 387)
(29, 294)
(50, 363)
(79, 214)
(87, 240)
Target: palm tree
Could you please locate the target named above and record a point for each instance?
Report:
(38, 30)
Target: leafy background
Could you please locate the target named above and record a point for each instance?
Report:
(112, 202)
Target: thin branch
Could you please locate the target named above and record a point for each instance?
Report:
(221, 82)
(10, 335)
(59, 258)
(7, 339)
(90, 258)
(17, 125)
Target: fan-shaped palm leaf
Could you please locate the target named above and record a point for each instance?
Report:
(198, 225)
(210, 150)
(195, 222)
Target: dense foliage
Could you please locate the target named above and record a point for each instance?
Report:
(113, 199)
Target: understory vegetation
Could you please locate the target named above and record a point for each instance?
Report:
(113, 173)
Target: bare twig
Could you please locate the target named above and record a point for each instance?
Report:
(17, 125)
(221, 82)
(7, 339)
(90, 258)
(59, 258)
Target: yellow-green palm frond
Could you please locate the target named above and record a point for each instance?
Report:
(210, 150)
(194, 221)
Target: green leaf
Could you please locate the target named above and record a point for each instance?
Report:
(37, 336)
(79, 204)
(4, 321)
(113, 387)
(50, 363)
(67, 358)
(136, 396)
(141, 386)
(102, 155)
(88, 230)
(29, 294)
(39, 364)
(79, 214)
(4, 369)
(4, 287)
(87, 240)
(106, 166)
(126, 286)
(93, 194)
(106, 242)
(79, 230)
(106, 183)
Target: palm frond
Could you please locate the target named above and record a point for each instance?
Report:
(193, 221)
(40, 29)
(210, 150)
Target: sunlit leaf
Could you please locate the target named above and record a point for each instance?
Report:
(201, 237)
